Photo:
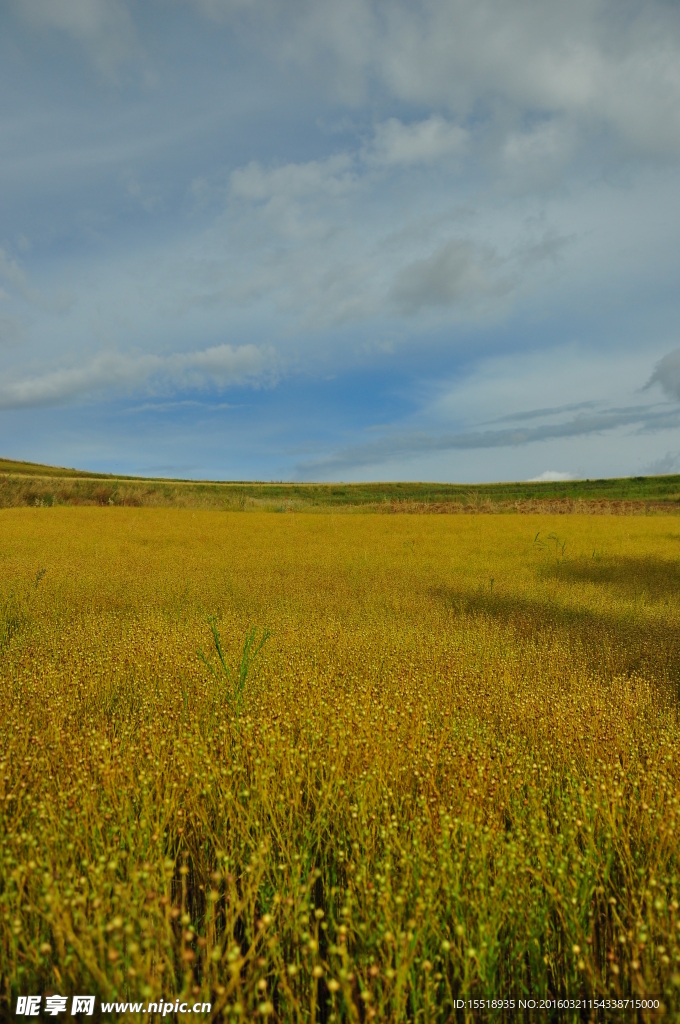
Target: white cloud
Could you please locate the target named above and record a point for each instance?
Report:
(667, 374)
(330, 177)
(307, 237)
(220, 365)
(294, 206)
(103, 27)
(667, 464)
(600, 64)
(536, 158)
(289, 236)
(550, 476)
(426, 141)
(458, 273)
(545, 142)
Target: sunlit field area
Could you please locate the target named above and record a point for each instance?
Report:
(323, 767)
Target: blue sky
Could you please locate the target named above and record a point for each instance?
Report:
(359, 240)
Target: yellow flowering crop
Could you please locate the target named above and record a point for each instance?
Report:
(453, 774)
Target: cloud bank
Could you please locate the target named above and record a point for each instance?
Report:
(600, 64)
(644, 418)
(218, 366)
(441, 233)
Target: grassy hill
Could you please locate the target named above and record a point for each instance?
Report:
(32, 484)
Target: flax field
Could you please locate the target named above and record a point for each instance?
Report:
(436, 759)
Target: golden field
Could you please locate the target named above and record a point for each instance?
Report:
(454, 773)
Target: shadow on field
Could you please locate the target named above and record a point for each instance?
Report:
(628, 577)
(608, 644)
